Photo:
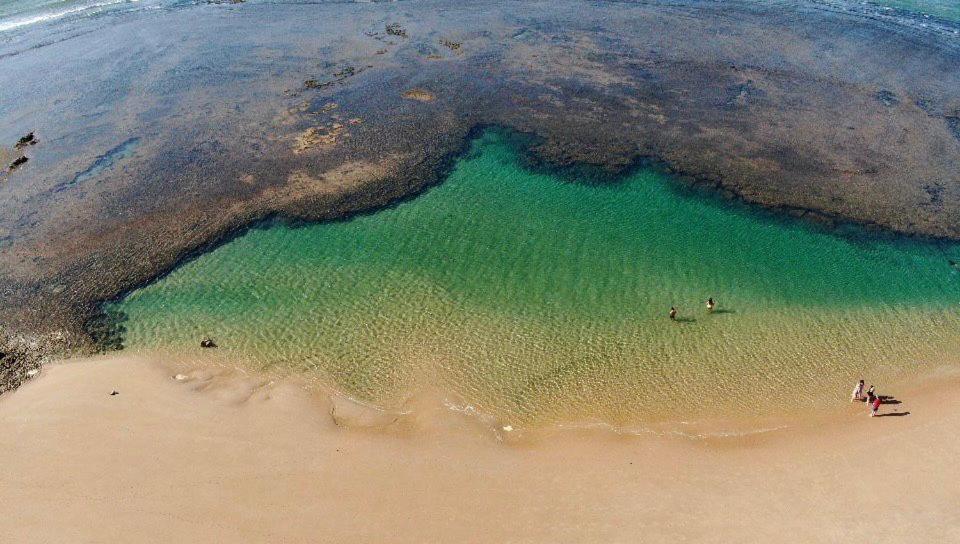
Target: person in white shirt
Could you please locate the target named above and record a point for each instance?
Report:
(857, 392)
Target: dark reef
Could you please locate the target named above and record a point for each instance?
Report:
(828, 110)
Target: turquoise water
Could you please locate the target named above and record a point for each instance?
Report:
(945, 9)
(536, 298)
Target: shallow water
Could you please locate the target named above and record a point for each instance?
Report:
(535, 299)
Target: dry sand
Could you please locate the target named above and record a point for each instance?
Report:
(233, 459)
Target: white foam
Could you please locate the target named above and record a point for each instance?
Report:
(25, 21)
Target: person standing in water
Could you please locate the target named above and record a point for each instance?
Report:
(857, 392)
(711, 305)
(673, 313)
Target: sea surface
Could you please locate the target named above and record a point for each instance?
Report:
(537, 297)
(17, 14)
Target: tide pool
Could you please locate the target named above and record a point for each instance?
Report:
(541, 299)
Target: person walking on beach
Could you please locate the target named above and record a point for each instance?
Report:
(875, 407)
(673, 313)
(711, 305)
(857, 392)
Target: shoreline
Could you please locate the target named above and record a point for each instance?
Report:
(213, 460)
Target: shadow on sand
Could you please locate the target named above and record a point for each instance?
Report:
(893, 414)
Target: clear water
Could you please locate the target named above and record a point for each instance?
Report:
(538, 299)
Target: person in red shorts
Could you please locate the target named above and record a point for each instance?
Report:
(876, 406)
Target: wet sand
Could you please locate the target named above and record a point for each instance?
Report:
(236, 458)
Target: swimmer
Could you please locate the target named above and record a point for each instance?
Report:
(711, 304)
(673, 313)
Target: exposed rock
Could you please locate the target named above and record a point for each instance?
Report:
(21, 358)
(338, 77)
(953, 123)
(394, 29)
(349, 71)
(207, 343)
(319, 136)
(451, 45)
(29, 139)
(887, 98)
(19, 161)
(421, 95)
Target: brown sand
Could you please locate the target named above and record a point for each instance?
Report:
(234, 459)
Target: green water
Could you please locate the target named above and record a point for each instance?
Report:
(534, 298)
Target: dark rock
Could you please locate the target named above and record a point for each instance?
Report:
(394, 29)
(453, 46)
(29, 139)
(19, 161)
(105, 330)
(887, 98)
(935, 191)
(207, 343)
(953, 123)
(114, 393)
(349, 71)
(20, 360)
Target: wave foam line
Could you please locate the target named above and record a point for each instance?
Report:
(17, 23)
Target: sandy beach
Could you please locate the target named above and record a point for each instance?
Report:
(222, 457)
